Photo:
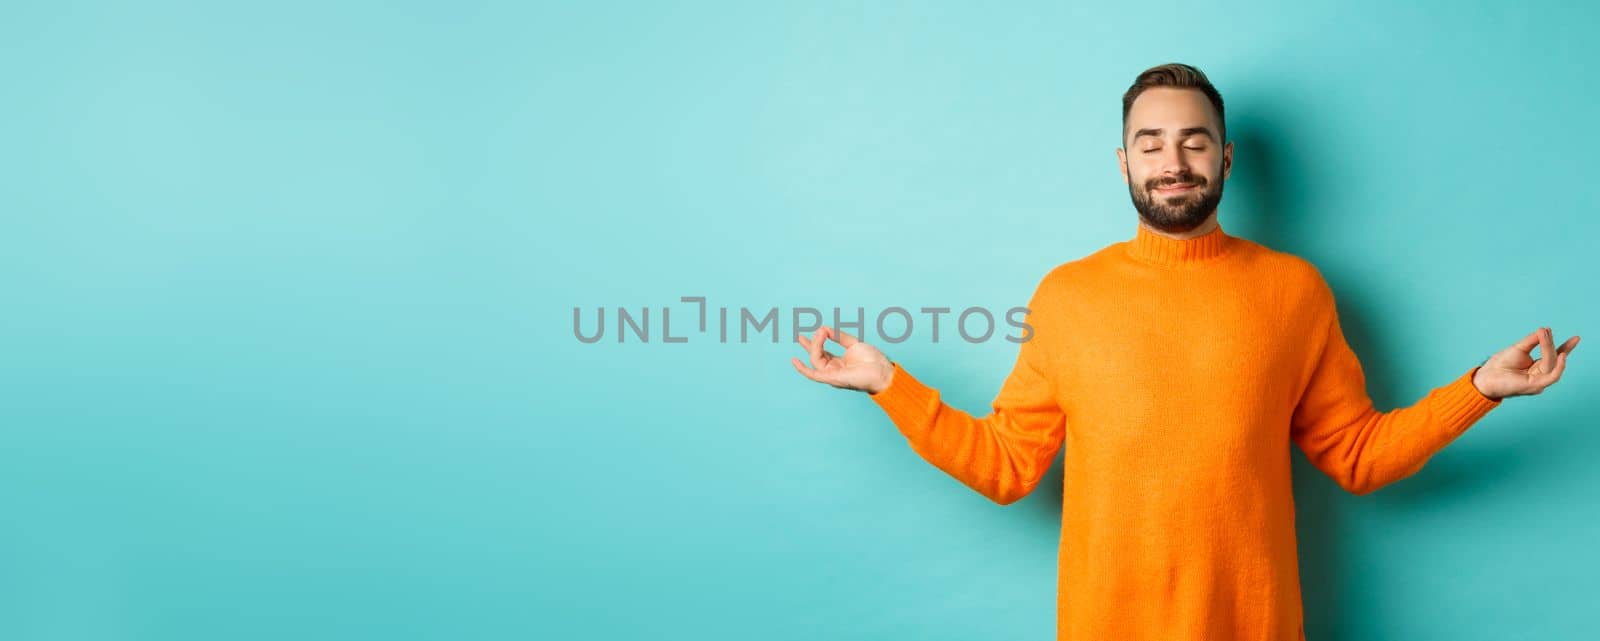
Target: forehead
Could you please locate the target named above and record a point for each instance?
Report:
(1171, 109)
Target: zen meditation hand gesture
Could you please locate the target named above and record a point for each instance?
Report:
(862, 368)
(1513, 372)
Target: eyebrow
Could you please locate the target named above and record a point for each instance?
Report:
(1182, 133)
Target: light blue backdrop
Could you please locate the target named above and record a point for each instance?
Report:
(288, 289)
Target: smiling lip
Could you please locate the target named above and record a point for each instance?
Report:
(1172, 189)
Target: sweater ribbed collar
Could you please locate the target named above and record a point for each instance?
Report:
(1151, 247)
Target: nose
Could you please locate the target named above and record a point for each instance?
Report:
(1173, 164)
(1174, 167)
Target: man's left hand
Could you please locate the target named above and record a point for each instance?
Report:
(1513, 371)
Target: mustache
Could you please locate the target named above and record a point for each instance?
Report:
(1185, 180)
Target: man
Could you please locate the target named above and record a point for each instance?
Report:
(1175, 369)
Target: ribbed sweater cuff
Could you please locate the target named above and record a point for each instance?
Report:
(1459, 404)
(906, 400)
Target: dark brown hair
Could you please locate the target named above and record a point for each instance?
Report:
(1176, 75)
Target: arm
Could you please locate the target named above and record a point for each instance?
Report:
(1361, 448)
(1003, 454)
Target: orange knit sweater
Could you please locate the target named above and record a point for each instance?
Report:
(1176, 374)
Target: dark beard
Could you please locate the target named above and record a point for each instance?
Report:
(1180, 213)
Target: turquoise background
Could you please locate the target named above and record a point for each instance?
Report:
(287, 334)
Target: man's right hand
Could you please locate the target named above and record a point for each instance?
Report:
(863, 367)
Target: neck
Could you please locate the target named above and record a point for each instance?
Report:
(1204, 228)
(1199, 245)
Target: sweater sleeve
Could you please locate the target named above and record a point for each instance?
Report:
(1003, 454)
(1361, 448)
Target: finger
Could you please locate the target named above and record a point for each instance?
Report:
(815, 348)
(805, 342)
(811, 354)
(805, 371)
(1547, 350)
(1561, 366)
(1526, 344)
(828, 333)
(847, 340)
(798, 367)
(1567, 347)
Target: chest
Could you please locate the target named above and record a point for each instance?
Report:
(1140, 362)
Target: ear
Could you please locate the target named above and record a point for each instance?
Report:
(1122, 164)
(1227, 159)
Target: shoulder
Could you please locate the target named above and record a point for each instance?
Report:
(1291, 269)
(1079, 270)
(1293, 278)
(1061, 279)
